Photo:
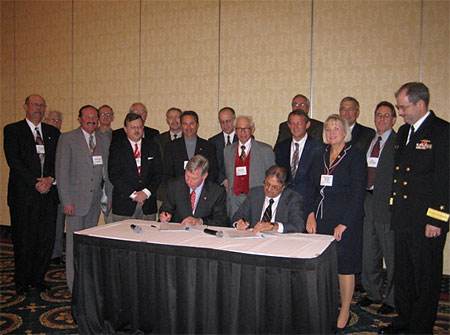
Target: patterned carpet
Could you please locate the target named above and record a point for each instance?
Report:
(50, 313)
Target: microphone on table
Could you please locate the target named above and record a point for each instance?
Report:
(217, 233)
(136, 229)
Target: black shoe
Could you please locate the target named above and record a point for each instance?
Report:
(342, 330)
(57, 260)
(22, 290)
(391, 330)
(41, 287)
(385, 309)
(365, 302)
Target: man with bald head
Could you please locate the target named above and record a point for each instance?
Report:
(140, 109)
(81, 173)
(30, 148)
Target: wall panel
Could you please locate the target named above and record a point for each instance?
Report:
(180, 60)
(106, 55)
(265, 59)
(364, 49)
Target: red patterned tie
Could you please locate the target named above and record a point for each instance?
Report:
(193, 200)
(137, 154)
(371, 171)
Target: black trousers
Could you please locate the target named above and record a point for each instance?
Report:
(33, 236)
(417, 280)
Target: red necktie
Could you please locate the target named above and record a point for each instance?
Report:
(137, 154)
(371, 171)
(193, 200)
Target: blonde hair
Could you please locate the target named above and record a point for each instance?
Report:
(335, 117)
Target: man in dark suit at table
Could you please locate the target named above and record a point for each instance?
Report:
(81, 172)
(296, 154)
(246, 163)
(178, 152)
(30, 148)
(192, 199)
(135, 170)
(361, 135)
(137, 108)
(173, 120)
(420, 211)
(315, 128)
(378, 238)
(271, 207)
(225, 138)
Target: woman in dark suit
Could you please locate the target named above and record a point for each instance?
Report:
(340, 180)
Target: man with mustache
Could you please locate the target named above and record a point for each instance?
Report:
(30, 147)
(81, 172)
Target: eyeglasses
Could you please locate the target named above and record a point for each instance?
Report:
(297, 104)
(106, 114)
(139, 112)
(384, 116)
(243, 128)
(348, 109)
(273, 187)
(54, 120)
(403, 107)
(36, 105)
(135, 127)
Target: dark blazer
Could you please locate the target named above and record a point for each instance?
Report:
(315, 130)
(361, 137)
(24, 163)
(175, 154)
(124, 176)
(162, 139)
(421, 176)
(211, 206)
(302, 182)
(120, 134)
(219, 141)
(383, 181)
(289, 210)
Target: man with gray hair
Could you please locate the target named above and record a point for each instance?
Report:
(194, 200)
(246, 163)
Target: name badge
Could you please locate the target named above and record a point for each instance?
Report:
(185, 163)
(97, 160)
(372, 162)
(40, 149)
(241, 171)
(326, 180)
(138, 162)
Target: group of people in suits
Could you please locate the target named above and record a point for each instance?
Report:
(373, 190)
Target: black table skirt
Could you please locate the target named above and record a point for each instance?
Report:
(144, 288)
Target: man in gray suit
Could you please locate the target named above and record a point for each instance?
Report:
(378, 239)
(81, 172)
(246, 163)
(272, 206)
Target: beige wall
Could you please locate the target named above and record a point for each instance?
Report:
(205, 54)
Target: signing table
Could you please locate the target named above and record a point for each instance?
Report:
(189, 282)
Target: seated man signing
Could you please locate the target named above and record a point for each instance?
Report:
(192, 199)
(272, 206)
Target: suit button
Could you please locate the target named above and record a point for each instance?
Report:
(395, 181)
(394, 193)
(405, 183)
(397, 168)
(140, 181)
(408, 169)
(441, 208)
(405, 197)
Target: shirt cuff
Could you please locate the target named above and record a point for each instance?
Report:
(147, 192)
(280, 227)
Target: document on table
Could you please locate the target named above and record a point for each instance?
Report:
(167, 227)
(237, 234)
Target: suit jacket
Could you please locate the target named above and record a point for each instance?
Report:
(383, 181)
(315, 130)
(361, 137)
(219, 141)
(24, 163)
(162, 139)
(302, 182)
(76, 176)
(288, 212)
(261, 158)
(211, 206)
(124, 176)
(175, 154)
(120, 134)
(420, 189)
